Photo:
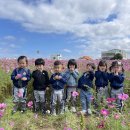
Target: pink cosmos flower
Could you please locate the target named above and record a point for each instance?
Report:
(1, 114)
(11, 124)
(67, 128)
(30, 104)
(101, 125)
(2, 106)
(20, 94)
(123, 96)
(19, 76)
(116, 116)
(110, 100)
(1, 128)
(75, 94)
(104, 112)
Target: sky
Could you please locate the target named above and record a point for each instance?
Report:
(73, 28)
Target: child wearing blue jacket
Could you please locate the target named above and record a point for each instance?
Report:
(57, 82)
(116, 79)
(72, 76)
(85, 85)
(101, 81)
(20, 77)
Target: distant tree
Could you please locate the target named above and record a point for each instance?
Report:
(117, 56)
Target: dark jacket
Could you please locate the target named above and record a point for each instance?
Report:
(24, 72)
(116, 81)
(41, 80)
(58, 84)
(101, 79)
(86, 79)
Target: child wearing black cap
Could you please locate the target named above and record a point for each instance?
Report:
(116, 79)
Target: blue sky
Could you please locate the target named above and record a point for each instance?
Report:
(73, 28)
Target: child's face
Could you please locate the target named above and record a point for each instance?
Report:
(58, 68)
(117, 68)
(22, 63)
(88, 68)
(71, 67)
(40, 67)
(102, 68)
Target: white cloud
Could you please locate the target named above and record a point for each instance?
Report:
(67, 50)
(62, 16)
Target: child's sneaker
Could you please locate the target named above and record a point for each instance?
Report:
(62, 112)
(22, 111)
(73, 109)
(83, 112)
(54, 113)
(89, 111)
(66, 109)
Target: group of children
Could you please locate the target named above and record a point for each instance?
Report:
(63, 84)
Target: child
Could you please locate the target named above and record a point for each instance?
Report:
(20, 77)
(58, 82)
(101, 81)
(116, 79)
(85, 85)
(40, 84)
(72, 78)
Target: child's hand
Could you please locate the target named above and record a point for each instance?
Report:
(60, 77)
(19, 76)
(16, 77)
(56, 77)
(24, 78)
(47, 88)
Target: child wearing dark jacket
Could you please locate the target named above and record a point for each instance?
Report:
(116, 79)
(57, 82)
(40, 85)
(20, 77)
(101, 81)
(85, 85)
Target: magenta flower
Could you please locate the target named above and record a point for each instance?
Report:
(20, 94)
(2, 129)
(116, 116)
(1, 114)
(67, 128)
(75, 94)
(101, 125)
(19, 76)
(30, 104)
(2, 106)
(110, 100)
(123, 96)
(104, 112)
(11, 124)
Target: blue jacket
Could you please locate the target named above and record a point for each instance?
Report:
(116, 81)
(86, 79)
(72, 77)
(24, 73)
(58, 84)
(101, 79)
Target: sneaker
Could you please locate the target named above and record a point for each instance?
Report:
(89, 111)
(83, 112)
(73, 109)
(66, 109)
(22, 111)
(54, 114)
(62, 112)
